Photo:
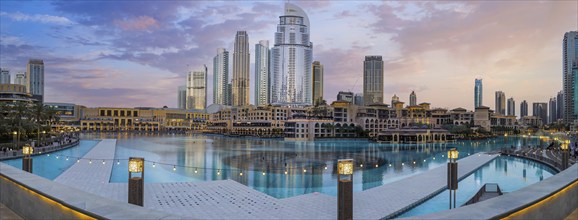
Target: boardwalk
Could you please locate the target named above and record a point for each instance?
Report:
(228, 199)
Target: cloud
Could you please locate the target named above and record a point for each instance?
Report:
(139, 23)
(40, 18)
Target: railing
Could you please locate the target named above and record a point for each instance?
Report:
(486, 188)
(39, 150)
(537, 157)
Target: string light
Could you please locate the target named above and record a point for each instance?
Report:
(414, 162)
(154, 165)
(389, 164)
(90, 161)
(304, 170)
(285, 172)
(263, 173)
(376, 165)
(361, 165)
(174, 168)
(325, 167)
(48, 155)
(241, 173)
(402, 164)
(219, 172)
(195, 170)
(103, 162)
(434, 158)
(117, 162)
(66, 158)
(78, 160)
(57, 157)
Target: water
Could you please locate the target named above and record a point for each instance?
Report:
(52, 165)
(511, 174)
(310, 166)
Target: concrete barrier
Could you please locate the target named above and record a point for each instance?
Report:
(33, 197)
(553, 198)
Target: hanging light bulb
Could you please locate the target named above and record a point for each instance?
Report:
(414, 162)
(195, 170)
(78, 160)
(285, 172)
(305, 170)
(117, 162)
(361, 165)
(154, 165)
(56, 156)
(376, 165)
(66, 158)
(402, 164)
(263, 173)
(174, 168)
(102, 161)
(90, 161)
(48, 155)
(325, 167)
(241, 173)
(389, 164)
(218, 172)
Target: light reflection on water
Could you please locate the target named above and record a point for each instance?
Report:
(310, 166)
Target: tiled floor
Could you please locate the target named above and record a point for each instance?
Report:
(228, 199)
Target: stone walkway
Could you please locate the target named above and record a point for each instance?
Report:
(227, 199)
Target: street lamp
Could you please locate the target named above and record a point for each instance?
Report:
(27, 150)
(453, 174)
(15, 139)
(345, 189)
(136, 184)
(564, 147)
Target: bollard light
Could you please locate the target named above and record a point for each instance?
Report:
(27, 150)
(452, 174)
(345, 189)
(565, 154)
(136, 184)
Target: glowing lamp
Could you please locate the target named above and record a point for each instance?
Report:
(135, 164)
(453, 154)
(27, 150)
(345, 167)
(564, 146)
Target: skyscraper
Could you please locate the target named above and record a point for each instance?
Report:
(478, 93)
(317, 82)
(4, 76)
(552, 117)
(221, 77)
(540, 110)
(560, 105)
(358, 99)
(197, 89)
(345, 96)
(412, 99)
(241, 56)
(372, 80)
(394, 99)
(500, 103)
(20, 79)
(35, 78)
(182, 97)
(511, 106)
(291, 59)
(262, 53)
(523, 109)
(569, 55)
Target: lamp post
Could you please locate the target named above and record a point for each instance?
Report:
(136, 184)
(27, 150)
(452, 174)
(14, 134)
(345, 189)
(564, 147)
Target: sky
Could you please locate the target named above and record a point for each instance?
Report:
(137, 53)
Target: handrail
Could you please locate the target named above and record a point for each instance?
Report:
(482, 191)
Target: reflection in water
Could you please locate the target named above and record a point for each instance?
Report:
(470, 185)
(290, 168)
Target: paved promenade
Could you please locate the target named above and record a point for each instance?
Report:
(228, 199)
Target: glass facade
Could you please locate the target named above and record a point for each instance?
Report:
(478, 93)
(291, 59)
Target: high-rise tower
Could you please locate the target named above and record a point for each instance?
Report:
(569, 56)
(182, 97)
(4, 76)
(197, 89)
(552, 117)
(560, 105)
(373, 80)
(262, 73)
(523, 109)
(35, 79)
(412, 99)
(478, 93)
(20, 79)
(291, 59)
(240, 82)
(540, 110)
(511, 106)
(317, 82)
(221, 77)
(500, 103)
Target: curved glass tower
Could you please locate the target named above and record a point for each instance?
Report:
(291, 59)
(478, 92)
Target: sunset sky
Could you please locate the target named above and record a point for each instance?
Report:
(136, 53)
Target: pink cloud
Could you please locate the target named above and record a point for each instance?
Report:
(137, 24)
